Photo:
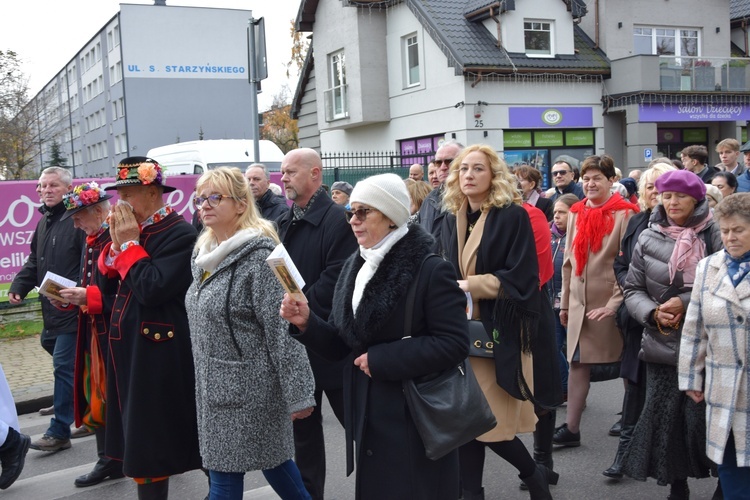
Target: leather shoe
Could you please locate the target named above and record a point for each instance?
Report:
(80, 432)
(45, 412)
(112, 470)
(50, 443)
(563, 437)
(12, 457)
(616, 429)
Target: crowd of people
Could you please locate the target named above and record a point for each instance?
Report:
(643, 278)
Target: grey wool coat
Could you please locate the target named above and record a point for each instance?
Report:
(245, 392)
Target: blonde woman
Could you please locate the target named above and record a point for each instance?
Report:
(488, 238)
(251, 378)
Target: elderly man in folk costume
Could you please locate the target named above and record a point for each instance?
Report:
(151, 420)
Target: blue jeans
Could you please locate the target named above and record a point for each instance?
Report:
(286, 481)
(561, 335)
(735, 481)
(226, 485)
(63, 362)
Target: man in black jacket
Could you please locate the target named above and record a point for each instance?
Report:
(316, 235)
(432, 213)
(271, 206)
(56, 247)
(695, 159)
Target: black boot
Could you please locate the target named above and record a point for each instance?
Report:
(537, 483)
(104, 468)
(12, 456)
(467, 495)
(154, 491)
(679, 490)
(631, 410)
(545, 429)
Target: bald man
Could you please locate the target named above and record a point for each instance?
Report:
(416, 172)
(316, 235)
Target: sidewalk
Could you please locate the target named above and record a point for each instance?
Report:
(28, 368)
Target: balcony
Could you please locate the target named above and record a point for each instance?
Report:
(647, 73)
(704, 74)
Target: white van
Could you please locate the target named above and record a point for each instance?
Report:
(195, 157)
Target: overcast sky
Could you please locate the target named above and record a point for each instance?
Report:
(46, 34)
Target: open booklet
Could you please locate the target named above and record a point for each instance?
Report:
(283, 267)
(52, 284)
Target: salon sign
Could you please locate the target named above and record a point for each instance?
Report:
(692, 112)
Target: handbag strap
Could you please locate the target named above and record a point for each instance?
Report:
(411, 297)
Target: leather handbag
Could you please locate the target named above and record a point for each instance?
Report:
(448, 408)
(480, 343)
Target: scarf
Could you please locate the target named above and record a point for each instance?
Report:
(737, 268)
(210, 255)
(688, 248)
(373, 257)
(592, 225)
(555, 231)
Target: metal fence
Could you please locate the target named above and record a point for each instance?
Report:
(353, 166)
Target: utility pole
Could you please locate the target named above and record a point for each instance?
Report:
(256, 35)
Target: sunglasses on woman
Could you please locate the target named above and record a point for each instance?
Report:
(360, 214)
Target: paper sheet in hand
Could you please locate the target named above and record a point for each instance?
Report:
(53, 283)
(286, 272)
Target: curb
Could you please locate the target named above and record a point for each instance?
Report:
(33, 405)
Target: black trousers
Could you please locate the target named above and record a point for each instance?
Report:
(309, 442)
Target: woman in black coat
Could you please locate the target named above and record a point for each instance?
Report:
(366, 327)
(530, 182)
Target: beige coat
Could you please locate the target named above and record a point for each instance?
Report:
(513, 416)
(600, 341)
(714, 356)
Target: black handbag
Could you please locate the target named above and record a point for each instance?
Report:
(480, 343)
(449, 408)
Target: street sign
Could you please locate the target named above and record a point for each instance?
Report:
(647, 154)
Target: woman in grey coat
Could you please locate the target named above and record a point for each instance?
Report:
(251, 378)
(668, 442)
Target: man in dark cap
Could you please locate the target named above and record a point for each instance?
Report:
(151, 420)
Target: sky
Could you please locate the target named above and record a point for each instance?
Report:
(46, 34)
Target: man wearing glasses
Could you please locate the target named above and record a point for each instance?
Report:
(431, 214)
(316, 235)
(564, 179)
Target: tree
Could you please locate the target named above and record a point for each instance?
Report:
(19, 127)
(278, 125)
(56, 157)
(300, 47)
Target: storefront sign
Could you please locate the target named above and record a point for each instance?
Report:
(562, 117)
(579, 137)
(513, 139)
(695, 135)
(692, 112)
(548, 138)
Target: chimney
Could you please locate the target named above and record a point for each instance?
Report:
(160, 2)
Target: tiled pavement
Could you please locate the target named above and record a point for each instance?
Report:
(28, 368)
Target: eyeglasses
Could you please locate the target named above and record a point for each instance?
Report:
(360, 214)
(557, 173)
(447, 161)
(212, 199)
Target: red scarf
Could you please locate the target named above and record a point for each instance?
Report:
(593, 224)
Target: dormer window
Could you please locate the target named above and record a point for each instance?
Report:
(538, 38)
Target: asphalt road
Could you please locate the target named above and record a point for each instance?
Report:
(51, 475)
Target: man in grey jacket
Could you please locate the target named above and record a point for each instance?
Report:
(431, 213)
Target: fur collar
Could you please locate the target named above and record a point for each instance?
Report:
(384, 292)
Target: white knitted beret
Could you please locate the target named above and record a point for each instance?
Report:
(386, 193)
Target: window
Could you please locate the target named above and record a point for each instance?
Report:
(538, 38)
(335, 96)
(115, 73)
(110, 42)
(117, 35)
(411, 60)
(665, 41)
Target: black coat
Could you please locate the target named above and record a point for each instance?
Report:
(391, 461)
(100, 296)
(56, 246)
(151, 420)
(272, 206)
(319, 243)
(547, 206)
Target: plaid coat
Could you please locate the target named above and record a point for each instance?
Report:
(714, 355)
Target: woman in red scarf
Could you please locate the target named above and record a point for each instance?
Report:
(590, 293)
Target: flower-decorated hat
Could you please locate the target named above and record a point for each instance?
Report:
(140, 171)
(86, 195)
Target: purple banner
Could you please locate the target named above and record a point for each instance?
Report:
(692, 112)
(19, 216)
(561, 117)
